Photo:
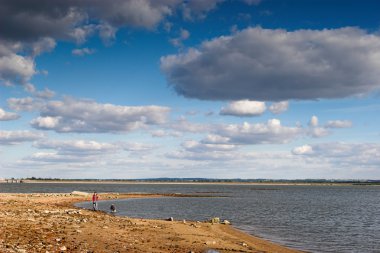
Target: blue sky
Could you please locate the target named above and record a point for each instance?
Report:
(169, 88)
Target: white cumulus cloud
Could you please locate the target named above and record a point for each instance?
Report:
(338, 124)
(17, 137)
(279, 107)
(244, 108)
(271, 132)
(276, 65)
(302, 150)
(87, 116)
(5, 116)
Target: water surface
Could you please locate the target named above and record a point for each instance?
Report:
(312, 218)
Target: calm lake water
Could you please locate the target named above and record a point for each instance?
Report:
(311, 218)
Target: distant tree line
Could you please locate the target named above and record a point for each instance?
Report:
(216, 180)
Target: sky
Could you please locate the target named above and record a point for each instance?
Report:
(126, 89)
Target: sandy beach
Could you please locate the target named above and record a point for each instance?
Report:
(50, 223)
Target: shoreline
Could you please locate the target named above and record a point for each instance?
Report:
(186, 183)
(41, 222)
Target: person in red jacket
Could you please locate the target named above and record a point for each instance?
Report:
(95, 198)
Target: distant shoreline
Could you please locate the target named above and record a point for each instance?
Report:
(201, 183)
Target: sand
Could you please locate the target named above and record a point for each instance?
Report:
(50, 223)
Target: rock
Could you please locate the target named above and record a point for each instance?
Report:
(170, 219)
(244, 244)
(215, 220)
(63, 248)
(226, 222)
(210, 242)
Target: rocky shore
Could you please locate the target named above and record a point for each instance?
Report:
(50, 223)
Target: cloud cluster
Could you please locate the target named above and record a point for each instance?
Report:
(5, 116)
(279, 107)
(17, 137)
(82, 51)
(70, 19)
(244, 108)
(343, 154)
(194, 150)
(25, 104)
(81, 152)
(316, 131)
(275, 65)
(31, 28)
(338, 124)
(14, 68)
(198, 8)
(184, 35)
(271, 132)
(87, 116)
(77, 147)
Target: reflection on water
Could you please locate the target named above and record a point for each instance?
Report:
(313, 218)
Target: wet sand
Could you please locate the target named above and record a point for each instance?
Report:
(50, 223)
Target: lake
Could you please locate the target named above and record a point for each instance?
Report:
(311, 218)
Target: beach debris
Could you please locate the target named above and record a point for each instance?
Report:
(244, 244)
(184, 221)
(226, 222)
(170, 219)
(63, 248)
(215, 220)
(210, 242)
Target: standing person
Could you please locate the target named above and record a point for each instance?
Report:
(113, 208)
(95, 199)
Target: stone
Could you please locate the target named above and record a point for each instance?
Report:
(63, 248)
(226, 222)
(215, 220)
